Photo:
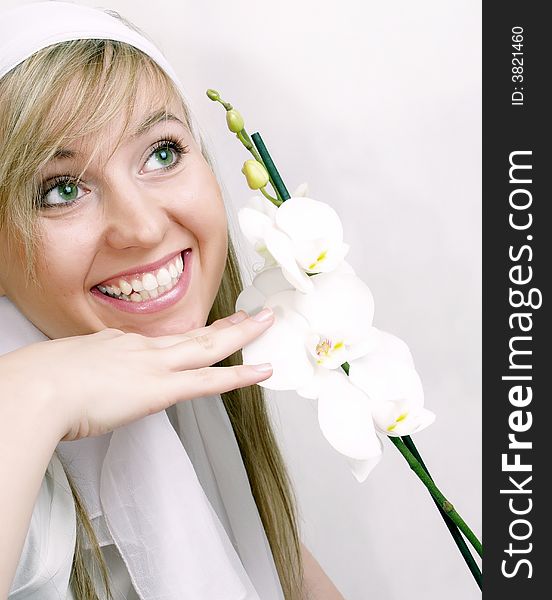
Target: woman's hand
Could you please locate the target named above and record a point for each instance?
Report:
(100, 381)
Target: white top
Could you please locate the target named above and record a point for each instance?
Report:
(170, 490)
(45, 565)
(50, 541)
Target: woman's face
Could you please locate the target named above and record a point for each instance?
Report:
(127, 224)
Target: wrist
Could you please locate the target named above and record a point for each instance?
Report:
(30, 396)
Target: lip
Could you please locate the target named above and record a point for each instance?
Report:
(155, 304)
(145, 268)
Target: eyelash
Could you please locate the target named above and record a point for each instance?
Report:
(175, 144)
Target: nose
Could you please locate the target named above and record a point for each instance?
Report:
(134, 218)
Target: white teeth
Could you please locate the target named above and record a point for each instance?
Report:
(125, 286)
(149, 282)
(148, 286)
(137, 285)
(163, 277)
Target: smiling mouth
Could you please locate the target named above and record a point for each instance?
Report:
(145, 285)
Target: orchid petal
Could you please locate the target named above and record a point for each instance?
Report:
(250, 299)
(362, 468)
(310, 389)
(281, 247)
(301, 190)
(388, 373)
(326, 353)
(344, 268)
(281, 345)
(269, 260)
(271, 281)
(263, 205)
(397, 418)
(368, 344)
(341, 305)
(319, 256)
(308, 219)
(345, 418)
(254, 225)
(334, 256)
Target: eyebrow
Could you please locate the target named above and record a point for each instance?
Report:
(152, 120)
(143, 128)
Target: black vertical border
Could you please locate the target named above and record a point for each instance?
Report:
(508, 128)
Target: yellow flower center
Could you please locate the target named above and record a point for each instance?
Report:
(320, 258)
(397, 420)
(325, 347)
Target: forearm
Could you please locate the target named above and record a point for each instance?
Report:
(316, 584)
(28, 438)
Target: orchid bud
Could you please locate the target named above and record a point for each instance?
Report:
(213, 95)
(255, 173)
(234, 120)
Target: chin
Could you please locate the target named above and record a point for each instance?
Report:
(171, 327)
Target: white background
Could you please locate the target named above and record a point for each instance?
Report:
(377, 105)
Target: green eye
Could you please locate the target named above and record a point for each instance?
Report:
(165, 155)
(67, 191)
(63, 191)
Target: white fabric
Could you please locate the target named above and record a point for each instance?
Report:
(30, 27)
(130, 480)
(185, 529)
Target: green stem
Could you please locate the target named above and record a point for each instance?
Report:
(246, 141)
(447, 507)
(267, 195)
(406, 446)
(453, 529)
(275, 178)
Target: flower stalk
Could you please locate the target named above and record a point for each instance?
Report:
(456, 525)
(244, 138)
(444, 504)
(453, 529)
(283, 194)
(449, 522)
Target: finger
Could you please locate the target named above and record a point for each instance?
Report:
(186, 385)
(209, 348)
(165, 341)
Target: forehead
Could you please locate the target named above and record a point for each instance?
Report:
(149, 110)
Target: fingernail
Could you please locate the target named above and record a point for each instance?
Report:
(237, 317)
(263, 368)
(264, 315)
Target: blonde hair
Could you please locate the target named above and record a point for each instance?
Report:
(56, 96)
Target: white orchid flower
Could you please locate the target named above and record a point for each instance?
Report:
(302, 236)
(312, 335)
(387, 375)
(322, 329)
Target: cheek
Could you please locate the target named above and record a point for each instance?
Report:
(65, 257)
(200, 209)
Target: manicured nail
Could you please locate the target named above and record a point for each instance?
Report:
(237, 317)
(264, 315)
(263, 368)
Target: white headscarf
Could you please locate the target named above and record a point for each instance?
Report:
(186, 529)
